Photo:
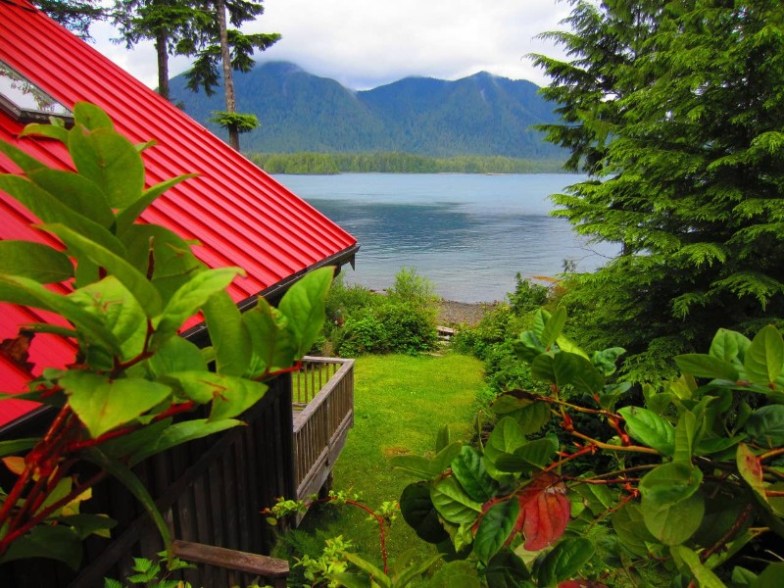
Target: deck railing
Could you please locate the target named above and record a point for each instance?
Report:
(323, 398)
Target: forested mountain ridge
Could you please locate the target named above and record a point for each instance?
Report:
(478, 115)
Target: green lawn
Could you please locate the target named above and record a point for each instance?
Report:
(400, 404)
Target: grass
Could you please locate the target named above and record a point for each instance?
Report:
(400, 404)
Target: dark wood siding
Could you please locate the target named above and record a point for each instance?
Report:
(210, 491)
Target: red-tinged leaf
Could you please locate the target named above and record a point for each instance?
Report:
(545, 511)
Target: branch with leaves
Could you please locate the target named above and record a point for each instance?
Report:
(133, 384)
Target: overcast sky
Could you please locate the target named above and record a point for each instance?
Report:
(367, 43)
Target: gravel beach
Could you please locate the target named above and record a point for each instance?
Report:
(452, 313)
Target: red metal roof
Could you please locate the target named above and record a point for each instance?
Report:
(239, 214)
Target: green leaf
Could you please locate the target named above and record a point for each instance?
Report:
(189, 298)
(103, 404)
(506, 437)
(135, 281)
(443, 438)
(697, 570)
(685, 433)
(21, 158)
(729, 346)
(443, 459)
(452, 503)
(113, 304)
(553, 327)
(506, 570)
(228, 334)
(543, 368)
(128, 215)
(56, 132)
(91, 116)
(180, 433)
(670, 482)
(111, 161)
(413, 464)
(606, 360)
(89, 524)
(469, 470)
(272, 346)
(706, 366)
(230, 395)
(770, 576)
(671, 505)
(18, 290)
(177, 355)
(77, 192)
(629, 525)
(765, 356)
(134, 486)
(766, 425)
(673, 523)
(377, 574)
(49, 209)
(534, 455)
(34, 261)
(420, 514)
(303, 305)
(495, 528)
(59, 542)
(15, 446)
(575, 370)
(565, 560)
(648, 428)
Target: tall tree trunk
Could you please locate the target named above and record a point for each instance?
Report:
(161, 47)
(228, 81)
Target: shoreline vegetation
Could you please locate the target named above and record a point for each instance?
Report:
(315, 163)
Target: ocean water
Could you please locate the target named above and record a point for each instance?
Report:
(468, 233)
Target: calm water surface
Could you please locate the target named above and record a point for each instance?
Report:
(468, 233)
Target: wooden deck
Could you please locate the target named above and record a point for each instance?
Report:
(323, 399)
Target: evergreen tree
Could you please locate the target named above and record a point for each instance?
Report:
(233, 50)
(166, 22)
(676, 112)
(76, 15)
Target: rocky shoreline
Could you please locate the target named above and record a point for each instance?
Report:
(451, 313)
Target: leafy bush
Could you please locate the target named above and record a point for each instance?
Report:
(402, 321)
(527, 296)
(685, 478)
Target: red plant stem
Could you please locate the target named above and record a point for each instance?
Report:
(174, 409)
(630, 448)
(52, 508)
(32, 462)
(598, 482)
(772, 453)
(736, 526)
(268, 374)
(382, 536)
(582, 451)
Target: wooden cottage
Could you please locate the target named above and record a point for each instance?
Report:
(210, 491)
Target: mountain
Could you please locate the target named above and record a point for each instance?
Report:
(478, 115)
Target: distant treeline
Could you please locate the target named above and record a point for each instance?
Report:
(335, 163)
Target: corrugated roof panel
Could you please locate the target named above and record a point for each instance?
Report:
(239, 214)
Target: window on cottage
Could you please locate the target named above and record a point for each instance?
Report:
(26, 102)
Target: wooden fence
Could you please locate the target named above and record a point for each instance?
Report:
(323, 393)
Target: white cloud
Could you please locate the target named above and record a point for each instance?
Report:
(366, 43)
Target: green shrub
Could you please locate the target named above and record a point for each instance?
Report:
(527, 297)
(402, 321)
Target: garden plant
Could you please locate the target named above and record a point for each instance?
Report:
(590, 481)
(121, 292)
